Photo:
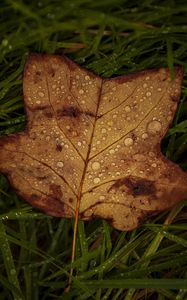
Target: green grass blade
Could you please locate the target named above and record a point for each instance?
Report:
(9, 263)
(173, 284)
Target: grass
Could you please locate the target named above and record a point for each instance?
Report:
(109, 37)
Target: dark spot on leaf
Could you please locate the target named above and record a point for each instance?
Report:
(89, 113)
(69, 111)
(37, 77)
(34, 197)
(73, 112)
(58, 147)
(51, 72)
(135, 186)
(56, 191)
(42, 177)
(133, 136)
(48, 114)
(42, 107)
(174, 98)
(54, 206)
(146, 215)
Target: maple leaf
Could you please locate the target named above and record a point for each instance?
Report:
(92, 146)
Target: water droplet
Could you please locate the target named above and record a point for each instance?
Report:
(111, 151)
(127, 108)
(87, 77)
(154, 165)
(4, 42)
(12, 271)
(81, 91)
(159, 89)
(110, 123)
(147, 78)
(151, 154)
(144, 136)
(60, 164)
(128, 141)
(154, 127)
(97, 180)
(79, 144)
(102, 198)
(103, 130)
(144, 85)
(38, 102)
(41, 94)
(96, 165)
(148, 94)
(74, 133)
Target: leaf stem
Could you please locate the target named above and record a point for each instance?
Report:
(79, 198)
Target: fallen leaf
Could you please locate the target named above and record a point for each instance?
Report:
(92, 145)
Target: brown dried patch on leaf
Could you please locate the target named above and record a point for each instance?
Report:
(95, 142)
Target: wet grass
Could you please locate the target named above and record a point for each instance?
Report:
(110, 37)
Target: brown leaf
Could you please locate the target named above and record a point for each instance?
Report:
(95, 143)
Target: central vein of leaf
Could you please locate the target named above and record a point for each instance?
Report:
(82, 182)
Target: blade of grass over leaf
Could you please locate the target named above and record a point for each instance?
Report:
(170, 59)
